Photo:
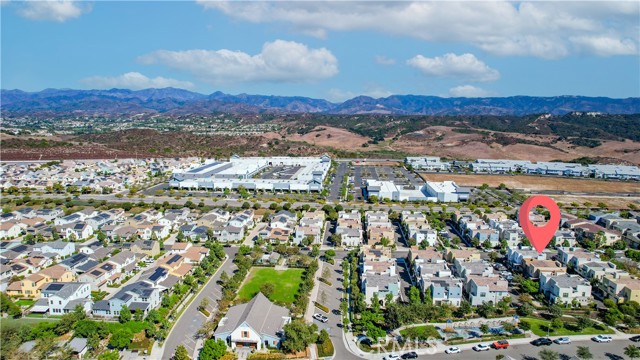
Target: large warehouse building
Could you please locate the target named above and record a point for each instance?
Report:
(446, 191)
(280, 173)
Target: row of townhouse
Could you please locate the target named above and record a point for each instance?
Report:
(458, 273)
(416, 227)
(349, 228)
(378, 275)
(379, 228)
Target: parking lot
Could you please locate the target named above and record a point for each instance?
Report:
(280, 172)
(398, 174)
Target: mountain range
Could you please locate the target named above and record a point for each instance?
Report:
(172, 101)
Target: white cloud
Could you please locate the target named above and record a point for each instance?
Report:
(134, 81)
(383, 60)
(468, 91)
(605, 46)
(465, 66)
(53, 10)
(279, 61)
(537, 28)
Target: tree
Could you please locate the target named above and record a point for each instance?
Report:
(530, 286)
(246, 205)
(181, 353)
(583, 323)
(524, 325)
(329, 254)
(203, 303)
(555, 311)
(632, 351)
(414, 296)
(267, 289)
(121, 338)
(93, 343)
(213, 349)
(484, 328)
(557, 323)
(584, 353)
(125, 314)
(547, 354)
(298, 335)
(224, 277)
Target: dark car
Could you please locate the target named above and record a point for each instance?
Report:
(541, 342)
(635, 338)
(409, 355)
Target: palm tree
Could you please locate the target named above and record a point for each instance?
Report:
(548, 355)
(584, 353)
(632, 351)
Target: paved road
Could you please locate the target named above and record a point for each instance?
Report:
(334, 187)
(610, 351)
(184, 331)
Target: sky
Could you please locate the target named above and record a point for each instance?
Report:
(332, 50)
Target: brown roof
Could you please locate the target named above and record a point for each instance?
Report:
(55, 271)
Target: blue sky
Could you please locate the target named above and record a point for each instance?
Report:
(332, 50)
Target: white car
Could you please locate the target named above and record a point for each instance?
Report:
(602, 338)
(482, 347)
(391, 357)
(320, 317)
(562, 340)
(452, 350)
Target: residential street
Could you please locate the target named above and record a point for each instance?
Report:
(184, 331)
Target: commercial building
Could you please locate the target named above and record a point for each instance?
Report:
(280, 173)
(446, 191)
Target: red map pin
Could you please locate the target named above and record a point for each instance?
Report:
(539, 236)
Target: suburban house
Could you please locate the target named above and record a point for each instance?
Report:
(349, 228)
(533, 268)
(61, 298)
(517, 255)
(10, 230)
(380, 285)
(621, 288)
(565, 289)
(574, 257)
(483, 289)
(31, 285)
(140, 295)
(256, 324)
(59, 247)
(446, 291)
(148, 247)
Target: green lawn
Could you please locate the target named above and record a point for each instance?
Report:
(420, 332)
(286, 284)
(25, 302)
(539, 327)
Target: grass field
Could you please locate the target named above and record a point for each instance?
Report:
(285, 282)
(539, 327)
(25, 302)
(421, 332)
(534, 183)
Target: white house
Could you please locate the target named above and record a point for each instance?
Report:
(58, 247)
(61, 298)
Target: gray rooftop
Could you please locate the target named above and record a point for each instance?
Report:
(260, 314)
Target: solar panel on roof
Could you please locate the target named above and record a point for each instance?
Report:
(174, 259)
(96, 272)
(54, 287)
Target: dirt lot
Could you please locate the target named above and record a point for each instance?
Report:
(534, 183)
(613, 202)
(444, 142)
(328, 136)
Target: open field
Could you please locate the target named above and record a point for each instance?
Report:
(538, 183)
(286, 284)
(612, 202)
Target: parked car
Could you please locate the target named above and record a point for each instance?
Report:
(541, 342)
(320, 317)
(562, 340)
(391, 357)
(481, 347)
(452, 350)
(602, 338)
(635, 338)
(500, 344)
(410, 355)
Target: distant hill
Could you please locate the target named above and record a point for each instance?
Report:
(178, 101)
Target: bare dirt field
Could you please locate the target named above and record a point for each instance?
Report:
(328, 136)
(538, 183)
(443, 141)
(612, 202)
